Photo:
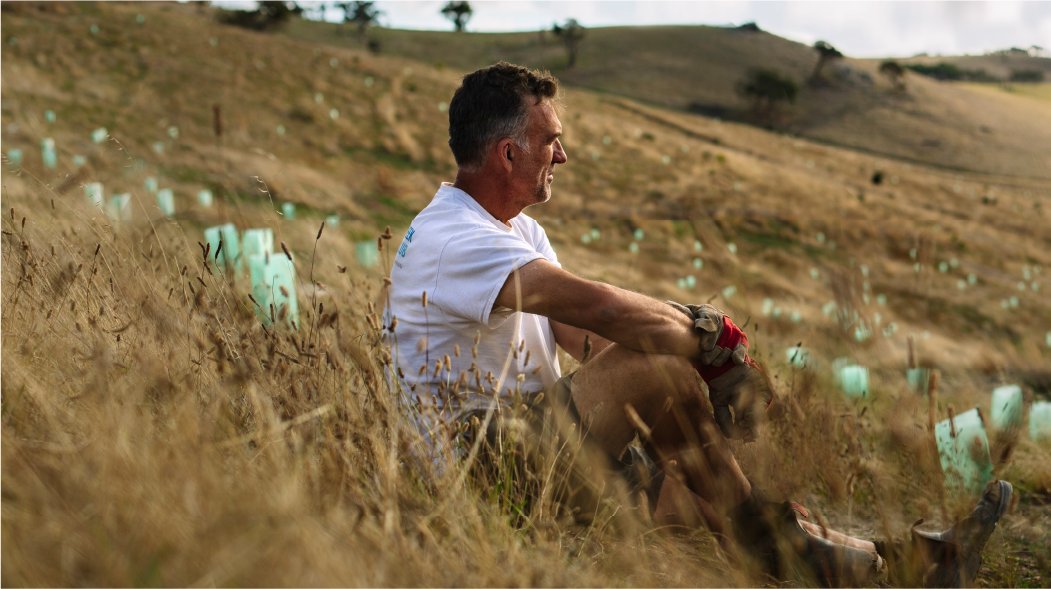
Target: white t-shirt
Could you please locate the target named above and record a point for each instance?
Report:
(461, 256)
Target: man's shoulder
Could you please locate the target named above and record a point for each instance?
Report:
(449, 208)
(460, 223)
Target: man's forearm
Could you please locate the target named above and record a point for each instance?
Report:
(624, 317)
(642, 323)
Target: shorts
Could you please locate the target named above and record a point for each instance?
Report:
(555, 435)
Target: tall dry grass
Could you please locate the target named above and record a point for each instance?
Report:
(155, 433)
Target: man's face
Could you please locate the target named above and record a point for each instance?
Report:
(534, 170)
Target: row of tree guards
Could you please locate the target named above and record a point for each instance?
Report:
(863, 326)
(271, 274)
(962, 440)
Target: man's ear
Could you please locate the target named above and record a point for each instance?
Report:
(505, 153)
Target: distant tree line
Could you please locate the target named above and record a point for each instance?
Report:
(1027, 76)
(269, 15)
(950, 72)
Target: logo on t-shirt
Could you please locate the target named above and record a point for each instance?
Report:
(405, 243)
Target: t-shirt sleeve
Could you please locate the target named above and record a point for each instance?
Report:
(544, 246)
(474, 266)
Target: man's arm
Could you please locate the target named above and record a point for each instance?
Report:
(621, 316)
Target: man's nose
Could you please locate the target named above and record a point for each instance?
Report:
(559, 156)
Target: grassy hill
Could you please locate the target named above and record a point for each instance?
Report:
(698, 69)
(155, 433)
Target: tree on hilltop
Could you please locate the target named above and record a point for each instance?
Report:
(825, 53)
(362, 14)
(268, 16)
(571, 33)
(459, 12)
(894, 73)
(767, 89)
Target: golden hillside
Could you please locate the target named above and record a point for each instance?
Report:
(155, 433)
(698, 69)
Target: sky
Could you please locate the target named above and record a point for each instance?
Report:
(858, 29)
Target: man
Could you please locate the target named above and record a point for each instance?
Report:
(481, 302)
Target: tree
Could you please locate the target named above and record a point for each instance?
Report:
(459, 12)
(894, 73)
(363, 14)
(825, 53)
(766, 89)
(268, 16)
(571, 33)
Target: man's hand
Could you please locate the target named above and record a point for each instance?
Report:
(740, 383)
(720, 338)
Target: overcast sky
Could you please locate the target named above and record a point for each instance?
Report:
(859, 29)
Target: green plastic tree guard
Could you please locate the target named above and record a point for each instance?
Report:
(854, 380)
(257, 264)
(48, 153)
(288, 209)
(204, 197)
(93, 190)
(1040, 421)
(963, 448)
(14, 157)
(273, 278)
(213, 236)
(257, 242)
(332, 220)
(232, 246)
(1005, 410)
(166, 201)
(119, 208)
(151, 184)
(367, 253)
(798, 356)
(919, 379)
(281, 279)
(99, 135)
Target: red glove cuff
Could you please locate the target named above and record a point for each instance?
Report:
(730, 338)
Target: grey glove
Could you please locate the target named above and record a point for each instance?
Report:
(746, 389)
(708, 323)
(740, 385)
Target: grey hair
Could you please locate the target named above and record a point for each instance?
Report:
(492, 104)
(513, 128)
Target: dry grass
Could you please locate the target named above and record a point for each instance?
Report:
(155, 434)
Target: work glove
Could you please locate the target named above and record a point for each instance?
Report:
(735, 381)
(717, 343)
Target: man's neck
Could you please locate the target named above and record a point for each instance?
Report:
(484, 191)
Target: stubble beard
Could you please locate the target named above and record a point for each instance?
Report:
(543, 193)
